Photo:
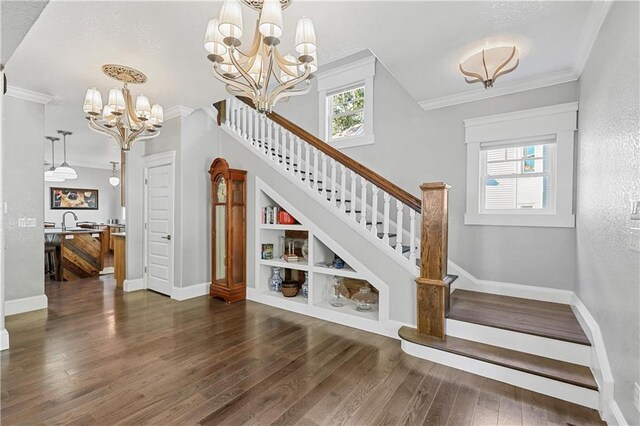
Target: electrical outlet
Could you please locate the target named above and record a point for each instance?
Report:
(636, 396)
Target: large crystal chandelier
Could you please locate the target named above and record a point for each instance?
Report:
(120, 118)
(260, 73)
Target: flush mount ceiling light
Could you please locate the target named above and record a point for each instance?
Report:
(49, 175)
(261, 73)
(120, 118)
(114, 180)
(64, 170)
(489, 64)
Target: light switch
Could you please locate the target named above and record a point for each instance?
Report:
(634, 239)
(635, 210)
(22, 222)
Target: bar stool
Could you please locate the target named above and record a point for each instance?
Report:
(50, 260)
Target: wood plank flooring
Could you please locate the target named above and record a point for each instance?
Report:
(102, 357)
(546, 319)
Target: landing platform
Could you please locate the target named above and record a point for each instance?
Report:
(545, 319)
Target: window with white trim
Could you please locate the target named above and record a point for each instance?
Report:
(346, 104)
(520, 168)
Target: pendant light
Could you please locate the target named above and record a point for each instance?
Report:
(64, 170)
(48, 174)
(114, 180)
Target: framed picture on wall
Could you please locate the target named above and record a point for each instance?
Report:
(74, 199)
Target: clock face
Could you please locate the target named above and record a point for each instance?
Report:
(221, 191)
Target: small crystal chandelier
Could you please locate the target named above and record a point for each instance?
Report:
(113, 179)
(489, 64)
(261, 73)
(120, 119)
(49, 175)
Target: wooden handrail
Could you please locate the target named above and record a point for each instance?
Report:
(371, 176)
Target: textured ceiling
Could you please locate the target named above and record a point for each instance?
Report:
(420, 42)
(17, 17)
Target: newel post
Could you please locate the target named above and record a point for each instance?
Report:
(432, 285)
(221, 107)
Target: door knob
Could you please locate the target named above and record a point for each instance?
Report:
(168, 237)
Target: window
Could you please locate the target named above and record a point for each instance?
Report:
(346, 104)
(346, 113)
(520, 168)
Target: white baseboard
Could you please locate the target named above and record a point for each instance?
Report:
(26, 304)
(133, 285)
(466, 281)
(4, 339)
(185, 293)
(567, 392)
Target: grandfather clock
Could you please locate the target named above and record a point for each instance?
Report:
(229, 231)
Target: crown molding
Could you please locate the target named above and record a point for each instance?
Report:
(520, 115)
(176, 111)
(597, 14)
(506, 88)
(28, 95)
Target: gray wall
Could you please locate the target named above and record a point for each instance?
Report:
(414, 146)
(23, 180)
(89, 178)
(134, 192)
(607, 272)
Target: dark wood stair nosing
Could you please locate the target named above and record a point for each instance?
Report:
(411, 335)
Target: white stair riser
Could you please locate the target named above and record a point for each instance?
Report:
(521, 342)
(567, 392)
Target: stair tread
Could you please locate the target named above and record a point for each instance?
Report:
(545, 319)
(573, 374)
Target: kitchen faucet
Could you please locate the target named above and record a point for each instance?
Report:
(64, 217)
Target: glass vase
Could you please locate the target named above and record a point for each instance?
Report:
(338, 293)
(365, 299)
(275, 282)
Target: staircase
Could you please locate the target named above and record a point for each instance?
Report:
(533, 344)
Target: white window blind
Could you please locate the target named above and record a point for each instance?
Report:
(517, 175)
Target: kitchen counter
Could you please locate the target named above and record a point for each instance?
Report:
(119, 257)
(68, 231)
(81, 252)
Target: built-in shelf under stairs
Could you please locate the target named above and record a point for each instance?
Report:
(532, 344)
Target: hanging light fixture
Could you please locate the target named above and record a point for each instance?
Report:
(114, 180)
(260, 73)
(120, 118)
(489, 64)
(64, 170)
(49, 173)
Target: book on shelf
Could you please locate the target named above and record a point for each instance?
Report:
(290, 258)
(270, 215)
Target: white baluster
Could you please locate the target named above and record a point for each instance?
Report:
(279, 151)
(343, 188)
(256, 130)
(333, 182)
(292, 144)
(307, 159)
(263, 133)
(315, 168)
(400, 207)
(299, 162)
(236, 119)
(324, 175)
(227, 113)
(385, 218)
(363, 203)
(245, 124)
(374, 210)
(353, 195)
(412, 235)
(269, 140)
(250, 126)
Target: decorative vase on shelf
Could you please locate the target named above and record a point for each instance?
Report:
(365, 299)
(305, 250)
(338, 293)
(305, 286)
(275, 282)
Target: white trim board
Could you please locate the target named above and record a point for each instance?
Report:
(189, 292)
(28, 95)
(133, 285)
(4, 339)
(176, 111)
(25, 304)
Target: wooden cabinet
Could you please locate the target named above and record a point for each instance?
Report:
(229, 232)
(119, 258)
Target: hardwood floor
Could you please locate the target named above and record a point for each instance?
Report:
(100, 356)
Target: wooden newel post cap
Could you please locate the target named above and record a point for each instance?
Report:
(429, 186)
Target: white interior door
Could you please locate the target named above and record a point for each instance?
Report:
(159, 228)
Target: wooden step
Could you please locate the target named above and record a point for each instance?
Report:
(565, 372)
(545, 319)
